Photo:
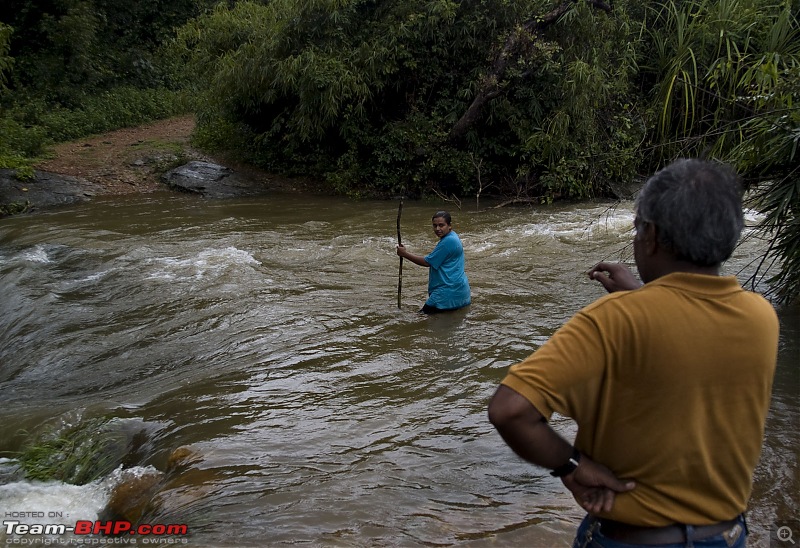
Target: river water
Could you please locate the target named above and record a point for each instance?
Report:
(264, 336)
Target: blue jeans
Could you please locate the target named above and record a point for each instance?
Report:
(589, 536)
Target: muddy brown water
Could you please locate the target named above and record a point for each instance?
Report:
(264, 334)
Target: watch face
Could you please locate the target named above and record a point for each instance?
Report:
(569, 466)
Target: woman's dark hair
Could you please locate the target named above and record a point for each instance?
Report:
(444, 215)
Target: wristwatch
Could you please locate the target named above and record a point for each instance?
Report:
(568, 467)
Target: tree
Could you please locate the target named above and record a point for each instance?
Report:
(519, 43)
(536, 99)
(6, 61)
(74, 67)
(369, 94)
(727, 76)
(771, 157)
(69, 49)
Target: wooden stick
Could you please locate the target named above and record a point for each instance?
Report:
(399, 242)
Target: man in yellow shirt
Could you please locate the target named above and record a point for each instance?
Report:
(668, 381)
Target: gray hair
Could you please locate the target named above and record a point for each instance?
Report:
(697, 207)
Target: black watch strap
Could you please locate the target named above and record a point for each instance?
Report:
(568, 467)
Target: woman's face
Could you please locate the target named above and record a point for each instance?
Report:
(440, 227)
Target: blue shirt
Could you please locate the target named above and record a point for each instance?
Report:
(448, 287)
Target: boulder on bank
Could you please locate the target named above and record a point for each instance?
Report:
(41, 191)
(211, 181)
(45, 190)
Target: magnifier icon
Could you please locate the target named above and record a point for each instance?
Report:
(785, 534)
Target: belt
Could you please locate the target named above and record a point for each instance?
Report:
(670, 534)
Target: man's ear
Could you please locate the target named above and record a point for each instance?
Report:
(650, 240)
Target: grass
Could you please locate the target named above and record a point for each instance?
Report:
(76, 454)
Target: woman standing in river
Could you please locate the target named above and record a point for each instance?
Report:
(448, 287)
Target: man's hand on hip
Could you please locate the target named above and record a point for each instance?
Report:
(594, 486)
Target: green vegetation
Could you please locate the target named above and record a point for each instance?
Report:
(727, 86)
(532, 100)
(411, 97)
(14, 208)
(76, 454)
(71, 68)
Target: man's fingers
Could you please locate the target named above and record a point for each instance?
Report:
(608, 500)
(596, 500)
(605, 281)
(620, 486)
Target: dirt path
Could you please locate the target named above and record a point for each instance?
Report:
(126, 160)
(132, 160)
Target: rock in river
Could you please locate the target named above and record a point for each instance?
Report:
(41, 191)
(211, 181)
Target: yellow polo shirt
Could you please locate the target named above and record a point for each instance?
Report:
(669, 385)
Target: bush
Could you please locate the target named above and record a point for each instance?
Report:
(121, 107)
(30, 126)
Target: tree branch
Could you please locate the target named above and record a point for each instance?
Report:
(490, 87)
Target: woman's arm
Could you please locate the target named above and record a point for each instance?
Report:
(416, 259)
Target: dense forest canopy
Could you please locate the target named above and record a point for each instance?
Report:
(69, 68)
(531, 100)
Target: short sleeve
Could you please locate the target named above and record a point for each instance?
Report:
(444, 248)
(565, 374)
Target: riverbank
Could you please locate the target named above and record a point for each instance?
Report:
(126, 161)
(132, 160)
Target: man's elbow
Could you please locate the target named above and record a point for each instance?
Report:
(507, 408)
(500, 413)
